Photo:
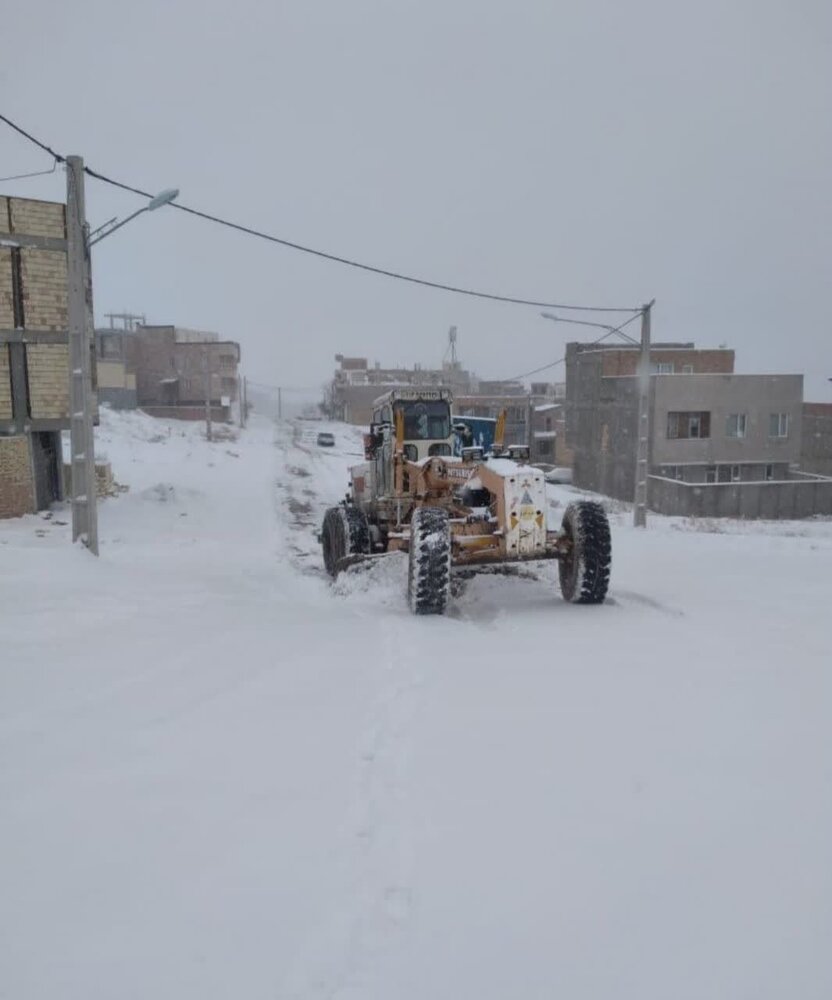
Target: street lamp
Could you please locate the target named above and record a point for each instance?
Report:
(162, 198)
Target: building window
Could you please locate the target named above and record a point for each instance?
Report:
(689, 425)
(687, 369)
(769, 473)
(736, 474)
(664, 368)
(109, 346)
(228, 384)
(710, 474)
(735, 426)
(778, 425)
(544, 447)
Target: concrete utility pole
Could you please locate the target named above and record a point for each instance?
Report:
(242, 401)
(208, 432)
(643, 425)
(79, 287)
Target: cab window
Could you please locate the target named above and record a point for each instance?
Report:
(426, 421)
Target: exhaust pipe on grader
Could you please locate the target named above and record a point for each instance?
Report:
(413, 495)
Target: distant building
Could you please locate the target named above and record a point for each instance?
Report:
(356, 384)
(173, 365)
(34, 353)
(720, 444)
(115, 352)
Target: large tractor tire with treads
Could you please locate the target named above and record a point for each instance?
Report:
(585, 569)
(345, 532)
(429, 566)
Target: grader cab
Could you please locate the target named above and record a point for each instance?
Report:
(475, 510)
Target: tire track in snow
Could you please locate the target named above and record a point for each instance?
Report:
(375, 899)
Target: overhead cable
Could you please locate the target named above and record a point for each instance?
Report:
(335, 258)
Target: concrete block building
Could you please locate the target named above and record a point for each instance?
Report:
(115, 352)
(720, 444)
(34, 353)
(170, 367)
(816, 439)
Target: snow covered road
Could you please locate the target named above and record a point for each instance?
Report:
(223, 776)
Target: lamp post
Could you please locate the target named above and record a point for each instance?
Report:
(80, 323)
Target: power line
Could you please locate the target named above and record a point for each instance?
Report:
(560, 361)
(335, 258)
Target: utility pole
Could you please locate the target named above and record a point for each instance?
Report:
(241, 400)
(530, 427)
(79, 286)
(279, 403)
(643, 425)
(207, 395)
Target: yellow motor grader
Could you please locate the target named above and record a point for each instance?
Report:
(472, 510)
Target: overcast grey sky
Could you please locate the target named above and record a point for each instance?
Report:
(601, 151)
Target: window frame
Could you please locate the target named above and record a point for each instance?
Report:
(783, 428)
(701, 419)
(741, 420)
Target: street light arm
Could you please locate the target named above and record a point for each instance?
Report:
(163, 198)
(597, 326)
(118, 225)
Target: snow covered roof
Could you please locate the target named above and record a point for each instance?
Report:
(547, 406)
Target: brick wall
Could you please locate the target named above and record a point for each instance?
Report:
(17, 490)
(625, 362)
(6, 302)
(48, 380)
(5, 384)
(44, 289)
(35, 218)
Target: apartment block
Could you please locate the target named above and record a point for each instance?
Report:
(720, 444)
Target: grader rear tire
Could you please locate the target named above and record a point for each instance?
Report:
(585, 571)
(345, 532)
(429, 565)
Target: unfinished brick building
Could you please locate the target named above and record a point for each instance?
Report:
(34, 353)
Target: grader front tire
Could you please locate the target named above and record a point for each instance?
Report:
(585, 570)
(429, 563)
(345, 532)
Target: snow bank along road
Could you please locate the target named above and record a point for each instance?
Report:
(222, 776)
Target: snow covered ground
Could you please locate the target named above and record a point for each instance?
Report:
(222, 776)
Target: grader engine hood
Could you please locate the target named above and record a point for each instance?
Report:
(522, 491)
